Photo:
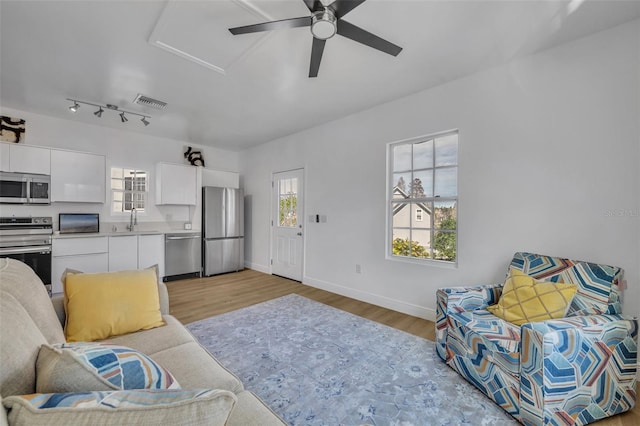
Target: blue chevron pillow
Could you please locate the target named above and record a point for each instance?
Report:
(82, 366)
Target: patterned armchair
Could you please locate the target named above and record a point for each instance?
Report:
(573, 370)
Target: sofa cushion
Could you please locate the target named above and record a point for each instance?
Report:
(525, 299)
(117, 408)
(82, 366)
(21, 282)
(157, 339)
(194, 367)
(108, 304)
(20, 341)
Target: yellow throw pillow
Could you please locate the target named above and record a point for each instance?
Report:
(110, 304)
(525, 299)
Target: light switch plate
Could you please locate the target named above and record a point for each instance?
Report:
(187, 225)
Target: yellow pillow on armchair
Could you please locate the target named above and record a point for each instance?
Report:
(109, 304)
(525, 299)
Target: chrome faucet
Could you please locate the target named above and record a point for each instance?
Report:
(133, 219)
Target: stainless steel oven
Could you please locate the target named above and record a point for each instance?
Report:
(28, 239)
(24, 188)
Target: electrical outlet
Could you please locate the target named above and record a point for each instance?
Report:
(187, 226)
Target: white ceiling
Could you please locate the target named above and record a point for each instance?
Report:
(234, 92)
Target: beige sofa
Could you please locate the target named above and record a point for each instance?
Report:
(29, 319)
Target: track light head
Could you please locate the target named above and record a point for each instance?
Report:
(145, 121)
(98, 113)
(74, 107)
(123, 118)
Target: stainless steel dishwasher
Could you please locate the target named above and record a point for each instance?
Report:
(182, 255)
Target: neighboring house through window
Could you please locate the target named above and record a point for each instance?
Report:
(423, 198)
(128, 190)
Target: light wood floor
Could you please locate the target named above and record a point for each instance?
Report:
(199, 298)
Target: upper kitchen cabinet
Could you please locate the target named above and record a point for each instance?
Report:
(176, 184)
(25, 159)
(219, 178)
(77, 177)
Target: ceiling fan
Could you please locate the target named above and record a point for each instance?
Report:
(325, 22)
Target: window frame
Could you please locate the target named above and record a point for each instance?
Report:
(410, 202)
(124, 191)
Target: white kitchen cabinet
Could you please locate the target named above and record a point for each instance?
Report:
(25, 159)
(4, 157)
(77, 177)
(128, 252)
(85, 254)
(151, 252)
(219, 178)
(176, 184)
(123, 252)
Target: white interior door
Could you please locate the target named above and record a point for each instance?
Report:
(287, 221)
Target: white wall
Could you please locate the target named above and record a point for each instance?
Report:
(123, 149)
(548, 154)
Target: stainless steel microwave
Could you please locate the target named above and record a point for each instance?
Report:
(24, 188)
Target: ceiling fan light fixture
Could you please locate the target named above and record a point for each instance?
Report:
(74, 107)
(98, 113)
(323, 24)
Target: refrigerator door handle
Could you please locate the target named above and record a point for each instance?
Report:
(225, 208)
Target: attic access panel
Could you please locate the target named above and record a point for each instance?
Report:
(198, 31)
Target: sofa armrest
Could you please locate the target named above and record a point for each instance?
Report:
(164, 298)
(459, 299)
(584, 365)
(58, 305)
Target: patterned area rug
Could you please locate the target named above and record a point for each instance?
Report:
(317, 365)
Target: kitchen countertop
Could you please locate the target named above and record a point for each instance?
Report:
(125, 233)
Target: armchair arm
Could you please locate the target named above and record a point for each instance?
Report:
(582, 366)
(459, 299)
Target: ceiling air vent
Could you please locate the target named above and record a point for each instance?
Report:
(149, 102)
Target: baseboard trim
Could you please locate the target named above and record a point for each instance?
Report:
(374, 299)
(257, 267)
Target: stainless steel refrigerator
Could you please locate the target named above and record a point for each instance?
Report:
(222, 230)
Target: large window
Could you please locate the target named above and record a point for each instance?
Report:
(423, 198)
(128, 190)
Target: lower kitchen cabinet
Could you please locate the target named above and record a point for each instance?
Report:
(123, 252)
(151, 252)
(128, 252)
(85, 254)
(105, 253)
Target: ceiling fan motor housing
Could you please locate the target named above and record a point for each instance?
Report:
(323, 24)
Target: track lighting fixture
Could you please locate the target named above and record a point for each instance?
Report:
(109, 107)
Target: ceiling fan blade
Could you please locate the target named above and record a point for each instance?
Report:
(304, 21)
(342, 7)
(355, 33)
(316, 56)
(313, 5)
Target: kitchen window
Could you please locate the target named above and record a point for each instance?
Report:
(128, 190)
(423, 198)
